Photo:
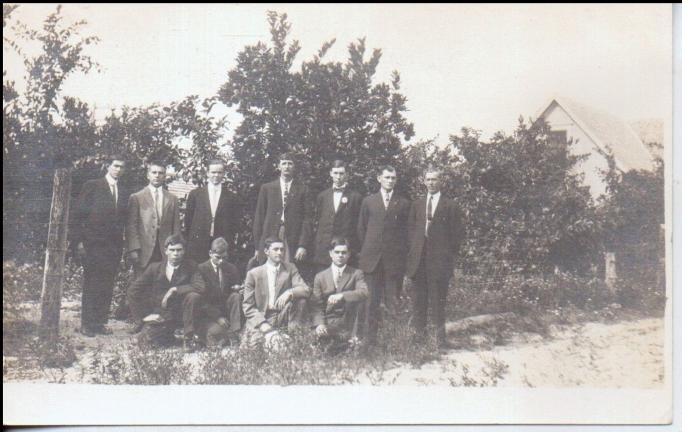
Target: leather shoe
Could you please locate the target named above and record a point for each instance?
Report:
(191, 343)
(445, 346)
(85, 331)
(136, 328)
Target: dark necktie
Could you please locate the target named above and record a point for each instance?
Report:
(429, 213)
(221, 280)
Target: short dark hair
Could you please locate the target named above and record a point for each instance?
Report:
(156, 163)
(270, 240)
(219, 245)
(433, 169)
(215, 161)
(338, 163)
(383, 168)
(287, 156)
(114, 157)
(338, 241)
(174, 239)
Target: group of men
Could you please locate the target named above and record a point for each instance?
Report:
(360, 249)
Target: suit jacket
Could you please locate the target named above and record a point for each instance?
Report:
(146, 292)
(352, 285)
(206, 282)
(298, 215)
(142, 226)
(343, 222)
(256, 293)
(446, 233)
(198, 221)
(97, 220)
(383, 233)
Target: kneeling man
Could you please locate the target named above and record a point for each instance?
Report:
(337, 293)
(162, 297)
(275, 294)
(219, 284)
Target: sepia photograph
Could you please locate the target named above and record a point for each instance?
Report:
(258, 214)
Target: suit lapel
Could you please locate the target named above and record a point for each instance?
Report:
(281, 280)
(345, 277)
(166, 202)
(379, 202)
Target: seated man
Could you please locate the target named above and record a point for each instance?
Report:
(337, 292)
(163, 299)
(219, 284)
(275, 294)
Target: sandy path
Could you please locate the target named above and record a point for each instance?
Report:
(615, 355)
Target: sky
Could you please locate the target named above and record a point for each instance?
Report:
(480, 66)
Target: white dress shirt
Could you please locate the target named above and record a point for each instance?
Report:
(337, 272)
(272, 271)
(386, 196)
(434, 204)
(112, 187)
(170, 269)
(337, 195)
(157, 205)
(213, 199)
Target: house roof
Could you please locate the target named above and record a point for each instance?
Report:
(607, 132)
(180, 188)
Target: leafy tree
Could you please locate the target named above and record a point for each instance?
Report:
(324, 111)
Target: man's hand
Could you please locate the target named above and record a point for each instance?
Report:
(134, 257)
(284, 299)
(265, 327)
(80, 251)
(300, 254)
(321, 330)
(169, 294)
(222, 321)
(334, 298)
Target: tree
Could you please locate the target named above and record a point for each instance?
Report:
(326, 110)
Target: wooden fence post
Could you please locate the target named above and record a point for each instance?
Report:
(53, 277)
(610, 275)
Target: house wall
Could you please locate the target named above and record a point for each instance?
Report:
(559, 120)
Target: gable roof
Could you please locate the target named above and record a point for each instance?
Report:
(180, 188)
(607, 132)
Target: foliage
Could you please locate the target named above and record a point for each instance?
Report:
(326, 110)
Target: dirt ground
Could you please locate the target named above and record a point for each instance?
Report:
(621, 354)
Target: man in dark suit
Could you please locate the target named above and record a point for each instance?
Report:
(163, 298)
(98, 221)
(337, 209)
(211, 213)
(219, 284)
(153, 216)
(275, 294)
(436, 231)
(337, 292)
(284, 210)
(382, 231)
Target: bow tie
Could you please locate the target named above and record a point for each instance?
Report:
(339, 189)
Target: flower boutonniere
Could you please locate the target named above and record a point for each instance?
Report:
(344, 200)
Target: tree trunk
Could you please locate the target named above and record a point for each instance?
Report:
(51, 297)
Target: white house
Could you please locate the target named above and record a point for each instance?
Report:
(591, 129)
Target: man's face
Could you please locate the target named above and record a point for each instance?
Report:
(340, 255)
(275, 252)
(217, 258)
(432, 182)
(156, 175)
(216, 173)
(338, 176)
(175, 253)
(116, 168)
(387, 180)
(286, 168)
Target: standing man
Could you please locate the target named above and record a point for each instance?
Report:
(337, 292)
(153, 216)
(436, 231)
(382, 229)
(275, 294)
(211, 213)
(284, 211)
(338, 209)
(99, 218)
(219, 284)
(163, 296)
